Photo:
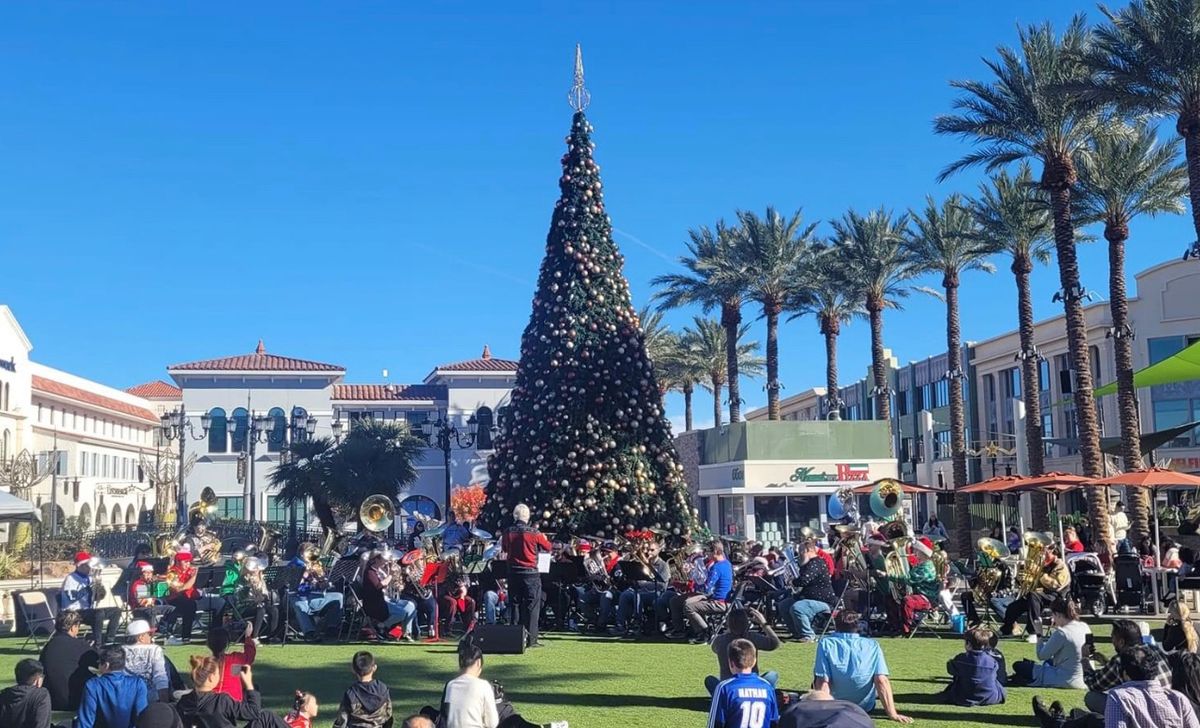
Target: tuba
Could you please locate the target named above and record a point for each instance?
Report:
(896, 561)
(990, 553)
(377, 513)
(1033, 566)
(267, 538)
(887, 497)
(256, 585)
(205, 507)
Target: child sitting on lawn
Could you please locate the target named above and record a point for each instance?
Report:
(367, 703)
(976, 676)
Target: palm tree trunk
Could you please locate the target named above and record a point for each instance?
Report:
(688, 390)
(958, 435)
(716, 390)
(771, 312)
(731, 318)
(883, 406)
(1188, 127)
(1057, 180)
(1116, 232)
(831, 329)
(1022, 267)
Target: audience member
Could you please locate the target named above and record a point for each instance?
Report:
(1143, 701)
(146, 660)
(206, 707)
(975, 675)
(66, 659)
(26, 704)
(114, 699)
(417, 721)
(1071, 542)
(737, 626)
(852, 667)
(1125, 634)
(1185, 674)
(1060, 655)
(367, 703)
(1179, 633)
(468, 700)
(232, 663)
(304, 710)
(818, 709)
(159, 715)
(744, 699)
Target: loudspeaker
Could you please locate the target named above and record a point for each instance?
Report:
(500, 639)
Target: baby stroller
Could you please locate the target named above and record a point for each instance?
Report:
(1091, 588)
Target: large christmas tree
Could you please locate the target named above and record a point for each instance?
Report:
(586, 444)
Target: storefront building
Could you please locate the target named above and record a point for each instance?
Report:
(768, 480)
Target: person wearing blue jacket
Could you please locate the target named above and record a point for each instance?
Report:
(115, 698)
(690, 610)
(975, 675)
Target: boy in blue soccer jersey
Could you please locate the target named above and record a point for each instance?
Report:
(744, 700)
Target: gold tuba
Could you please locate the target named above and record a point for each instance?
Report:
(205, 507)
(1033, 565)
(895, 563)
(377, 513)
(887, 497)
(990, 553)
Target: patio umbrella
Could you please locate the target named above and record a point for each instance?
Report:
(1152, 478)
(906, 488)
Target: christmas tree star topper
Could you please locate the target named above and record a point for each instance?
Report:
(579, 98)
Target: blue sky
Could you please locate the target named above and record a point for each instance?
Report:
(371, 184)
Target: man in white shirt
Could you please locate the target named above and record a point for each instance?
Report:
(1120, 523)
(469, 701)
(146, 660)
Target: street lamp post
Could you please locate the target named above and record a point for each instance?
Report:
(172, 427)
(262, 430)
(300, 429)
(443, 433)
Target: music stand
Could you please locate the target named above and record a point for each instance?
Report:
(160, 564)
(212, 578)
(632, 566)
(343, 572)
(284, 579)
(499, 568)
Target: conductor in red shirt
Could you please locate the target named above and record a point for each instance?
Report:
(521, 544)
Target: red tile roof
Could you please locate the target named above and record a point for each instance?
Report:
(68, 391)
(385, 392)
(157, 389)
(259, 361)
(485, 363)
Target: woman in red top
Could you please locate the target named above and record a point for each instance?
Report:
(1071, 540)
(231, 663)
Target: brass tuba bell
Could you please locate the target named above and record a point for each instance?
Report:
(205, 507)
(886, 498)
(377, 513)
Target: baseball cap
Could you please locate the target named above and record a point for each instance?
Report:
(138, 627)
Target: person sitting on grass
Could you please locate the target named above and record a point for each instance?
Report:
(26, 704)
(159, 715)
(1125, 634)
(418, 720)
(115, 698)
(1179, 633)
(304, 710)
(206, 707)
(745, 699)
(146, 660)
(231, 662)
(367, 703)
(818, 709)
(1061, 654)
(737, 626)
(66, 659)
(975, 675)
(852, 667)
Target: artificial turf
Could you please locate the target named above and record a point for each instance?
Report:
(597, 682)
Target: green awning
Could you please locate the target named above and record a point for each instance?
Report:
(1181, 367)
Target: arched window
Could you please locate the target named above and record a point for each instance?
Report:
(101, 515)
(218, 431)
(483, 418)
(116, 520)
(85, 516)
(422, 504)
(130, 516)
(240, 421)
(278, 435)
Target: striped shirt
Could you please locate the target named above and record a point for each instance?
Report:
(1146, 703)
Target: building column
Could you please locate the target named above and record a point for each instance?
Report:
(1022, 446)
(751, 518)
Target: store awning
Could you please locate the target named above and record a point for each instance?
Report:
(1181, 367)
(13, 508)
(1112, 445)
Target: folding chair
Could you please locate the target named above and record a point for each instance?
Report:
(37, 614)
(920, 616)
(837, 607)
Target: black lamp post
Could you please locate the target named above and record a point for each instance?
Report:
(300, 429)
(442, 434)
(263, 430)
(172, 426)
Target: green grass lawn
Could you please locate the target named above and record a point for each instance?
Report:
(595, 682)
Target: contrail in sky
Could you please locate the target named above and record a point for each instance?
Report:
(472, 264)
(645, 245)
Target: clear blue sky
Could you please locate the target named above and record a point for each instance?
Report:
(370, 184)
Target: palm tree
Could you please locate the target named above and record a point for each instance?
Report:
(713, 280)
(1145, 61)
(659, 339)
(775, 251)
(944, 240)
(1122, 174)
(1028, 111)
(825, 295)
(1012, 216)
(873, 255)
(706, 342)
(682, 371)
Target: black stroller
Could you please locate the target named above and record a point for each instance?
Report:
(1091, 588)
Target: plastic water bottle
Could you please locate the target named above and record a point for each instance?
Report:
(1147, 638)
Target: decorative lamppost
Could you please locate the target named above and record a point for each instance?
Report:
(173, 426)
(300, 429)
(443, 433)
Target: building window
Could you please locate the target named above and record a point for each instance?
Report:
(230, 507)
(941, 393)
(240, 421)
(902, 400)
(278, 435)
(95, 464)
(1164, 347)
(218, 439)
(1094, 358)
(941, 445)
(483, 417)
(5, 444)
(1043, 376)
(1171, 413)
(277, 513)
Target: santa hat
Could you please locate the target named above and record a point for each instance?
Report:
(923, 548)
(82, 557)
(145, 566)
(183, 556)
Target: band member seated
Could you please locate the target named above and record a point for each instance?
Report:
(642, 593)
(521, 544)
(317, 608)
(1053, 584)
(182, 595)
(202, 543)
(456, 535)
(131, 572)
(813, 594)
(144, 592)
(454, 600)
(690, 610)
(82, 592)
(902, 603)
(596, 595)
(924, 579)
(416, 590)
(377, 606)
(254, 595)
(416, 536)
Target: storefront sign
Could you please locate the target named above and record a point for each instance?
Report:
(775, 475)
(842, 473)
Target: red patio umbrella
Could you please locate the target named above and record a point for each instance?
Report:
(906, 488)
(1151, 478)
(997, 484)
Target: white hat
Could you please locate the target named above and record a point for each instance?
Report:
(922, 549)
(138, 627)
